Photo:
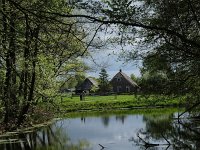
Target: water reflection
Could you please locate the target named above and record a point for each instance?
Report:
(106, 119)
(168, 132)
(152, 130)
(48, 138)
(121, 118)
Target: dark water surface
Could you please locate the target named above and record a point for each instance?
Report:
(120, 130)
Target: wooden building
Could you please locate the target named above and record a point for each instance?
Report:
(87, 85)
(122, 83)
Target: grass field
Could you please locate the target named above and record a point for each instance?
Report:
(112, 102)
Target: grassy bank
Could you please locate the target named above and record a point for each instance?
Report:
(118, 112)
(73, 104)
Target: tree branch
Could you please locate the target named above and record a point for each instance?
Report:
(133, 24)
(125, 23)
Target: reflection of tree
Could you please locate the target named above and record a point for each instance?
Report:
(51, 138)
(157, 124)
(181, 134)
(105, 120)
(121, 118)
(186, 134)
(83, 119)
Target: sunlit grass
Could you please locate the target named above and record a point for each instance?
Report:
(70, 104)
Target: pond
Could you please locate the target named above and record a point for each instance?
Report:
(120, 130)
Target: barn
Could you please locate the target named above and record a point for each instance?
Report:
(122, 83)
(87, 85)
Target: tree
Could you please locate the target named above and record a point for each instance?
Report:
(104, 85)
(168, 28)
(134, 78)
(37, 48)
(75, 79)
(41, 39)
(156, 74)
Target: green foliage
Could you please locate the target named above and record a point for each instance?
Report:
(41, 48)
(134, 78)
(40, 51)
(104, 85)
(176, 49)
(94, 89)
(154, 77)
(165, 33)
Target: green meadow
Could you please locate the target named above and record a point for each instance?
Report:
(113, 102)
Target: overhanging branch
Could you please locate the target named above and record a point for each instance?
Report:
(125, 23)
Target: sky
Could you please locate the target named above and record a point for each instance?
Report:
(106, 59)
(105, 52)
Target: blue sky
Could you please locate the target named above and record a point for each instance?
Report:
(106, 55)
(106, 59)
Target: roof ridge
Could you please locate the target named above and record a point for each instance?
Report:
(94, 82)
(128, 78)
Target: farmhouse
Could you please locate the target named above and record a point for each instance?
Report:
(87, 85)
(122, 83)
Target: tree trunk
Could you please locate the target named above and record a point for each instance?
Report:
(6, 95)
(25, 108)
(9, 47)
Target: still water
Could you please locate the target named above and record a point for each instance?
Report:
(124, 130)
